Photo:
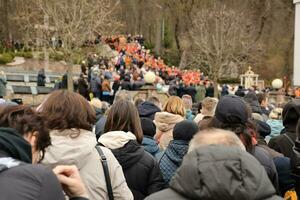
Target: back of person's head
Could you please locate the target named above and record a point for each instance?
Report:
(148, 127)
(155, 101)
(138, 101)
(276, 113)
(67, 110)
(232, 114)
(291, 115)
(123, 95)
(209, 105)
(185, 130)
(96, 103)
(26, 121)
(123, 116)
(261, 97)
(217, 137)
(175, 106)
(187, 101)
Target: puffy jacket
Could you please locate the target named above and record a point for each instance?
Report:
(172, 158)
(217, 172)
(150, 145)
(165, 123)
(148, 110)
(141, 170)
(284, 143)
(81, 152)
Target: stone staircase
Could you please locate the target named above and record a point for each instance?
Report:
(23, 85)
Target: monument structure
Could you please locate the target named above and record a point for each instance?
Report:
(249, 79)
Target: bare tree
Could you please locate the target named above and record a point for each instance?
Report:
(76, 21)
(221, 35)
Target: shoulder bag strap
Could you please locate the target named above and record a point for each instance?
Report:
(106, 172)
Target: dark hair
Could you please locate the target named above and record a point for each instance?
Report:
(66, 110)
(154, 100)
(138, 101)
(25, 120)
(240, 130)
(123, 116)
(261, 97)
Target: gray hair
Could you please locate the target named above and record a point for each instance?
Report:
(215, 136)
(123, 95)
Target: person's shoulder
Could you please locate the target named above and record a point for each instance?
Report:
(37, 173)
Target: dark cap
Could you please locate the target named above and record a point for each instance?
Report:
(148, 127)
(232, 109)
(185, 130)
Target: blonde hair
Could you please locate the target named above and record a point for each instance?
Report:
(175, 106)
(276, 113)
(96, 103)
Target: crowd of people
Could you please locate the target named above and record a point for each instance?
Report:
(229, 148)
(100, 143)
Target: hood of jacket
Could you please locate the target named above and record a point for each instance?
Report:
(147, 109)
(176, 150)
(150, 145)
(129, 154)
(291, 115)
(165, 121)
(67, 149)
(116, 139)
(13, 145)
(276, 126)
(219, 172)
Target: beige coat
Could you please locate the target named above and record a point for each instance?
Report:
(81, 151)
(165, 123)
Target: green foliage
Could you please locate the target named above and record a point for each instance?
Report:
(2, 48)
(6, 58)
(149, 45)
(228, 80)
(57, 56)
(171, 57)
(24, 54)
(167, 42)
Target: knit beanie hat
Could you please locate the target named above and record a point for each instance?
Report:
(185, 130)
(148, 127)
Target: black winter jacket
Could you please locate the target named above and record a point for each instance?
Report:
(284, 143)
(141, 170)
(217, 172)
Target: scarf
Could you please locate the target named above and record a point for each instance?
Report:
(15, 145)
